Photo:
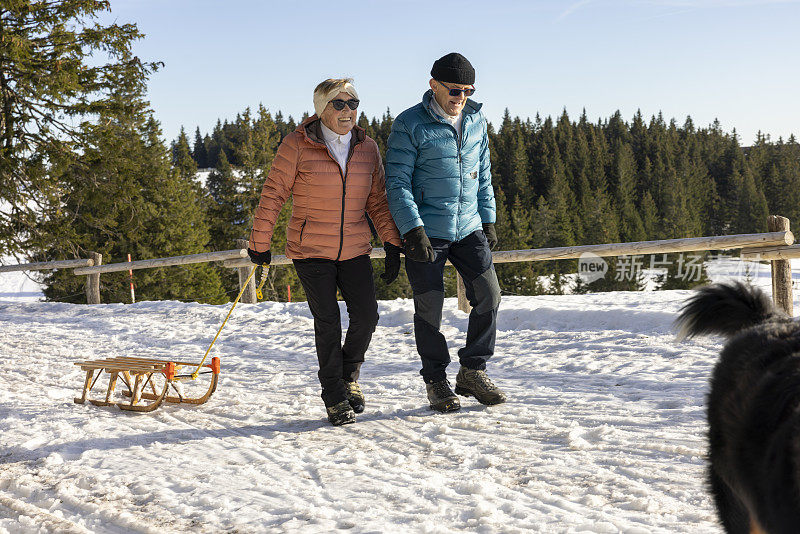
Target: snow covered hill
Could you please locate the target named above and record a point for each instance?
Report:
(603, 433)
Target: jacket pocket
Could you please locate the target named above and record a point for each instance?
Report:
(302, 229)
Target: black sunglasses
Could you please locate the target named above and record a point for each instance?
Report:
(457, 92)
(338, 103)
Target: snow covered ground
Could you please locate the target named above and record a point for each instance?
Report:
(17, 286)
(603, 432)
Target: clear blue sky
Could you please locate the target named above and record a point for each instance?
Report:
(735, 60)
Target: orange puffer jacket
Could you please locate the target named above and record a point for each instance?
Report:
(328, 213)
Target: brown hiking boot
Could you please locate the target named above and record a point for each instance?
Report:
(475, 383)
(441, 397)
(341, 414)
(354, 396)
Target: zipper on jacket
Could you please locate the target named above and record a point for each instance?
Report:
(459, 146)
(343, 174)
(341, 224)
(344, 192)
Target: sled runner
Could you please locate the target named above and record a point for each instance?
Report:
(136, 375)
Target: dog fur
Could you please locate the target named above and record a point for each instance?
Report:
(753, 408)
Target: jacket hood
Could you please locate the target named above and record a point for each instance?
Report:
(311, 129)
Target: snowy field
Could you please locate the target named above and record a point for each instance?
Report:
(604, 431)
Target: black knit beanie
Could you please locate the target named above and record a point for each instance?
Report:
(453, 68)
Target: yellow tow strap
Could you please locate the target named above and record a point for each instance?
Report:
(196, 372)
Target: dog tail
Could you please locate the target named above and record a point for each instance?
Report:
(724, 309)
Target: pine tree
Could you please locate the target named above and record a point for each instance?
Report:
(580, 163)
(624, 178)
(214, 145)
(363, 122)
(599, 158)
(199, 152)
(59, 67)
(649, 215)
(544, 233)
(125, 198)
(561, 206)
(182, 159)
(498, 150)
(752, 210)
(225, 213)
(284, 128)
(518, 182)
(601, 223)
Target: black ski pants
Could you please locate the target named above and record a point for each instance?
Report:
(472, 258)
(320, 279)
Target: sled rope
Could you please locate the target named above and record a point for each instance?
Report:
(196, 372)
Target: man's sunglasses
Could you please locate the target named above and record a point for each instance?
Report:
(457, 92)
(338, 103)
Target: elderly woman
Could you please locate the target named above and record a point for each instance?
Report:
(335, 175)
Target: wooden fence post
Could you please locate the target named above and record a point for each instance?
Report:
(461, 291)
(781, 270)
(93, 281)
(249, 295)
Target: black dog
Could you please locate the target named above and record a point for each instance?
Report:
(753, 408)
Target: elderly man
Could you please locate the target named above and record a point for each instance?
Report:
(439, 189)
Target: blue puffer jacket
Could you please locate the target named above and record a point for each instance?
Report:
(431, 181)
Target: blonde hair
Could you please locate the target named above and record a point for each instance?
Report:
(328, 89)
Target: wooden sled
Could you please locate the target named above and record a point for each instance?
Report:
(137, 374)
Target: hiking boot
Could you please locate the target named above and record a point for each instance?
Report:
(341, 414)
(475, 383)
(354, 396)
(441, 397)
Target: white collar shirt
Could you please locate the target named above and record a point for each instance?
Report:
(339, 145)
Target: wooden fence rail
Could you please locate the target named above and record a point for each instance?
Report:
(771, 253)
(776, 242)
(47, 265)
(775, 246)
(163, 262)
(664, 246)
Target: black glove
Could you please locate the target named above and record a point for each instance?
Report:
(391, 265)
(260, 258)
(491, 235)
(417, 246)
